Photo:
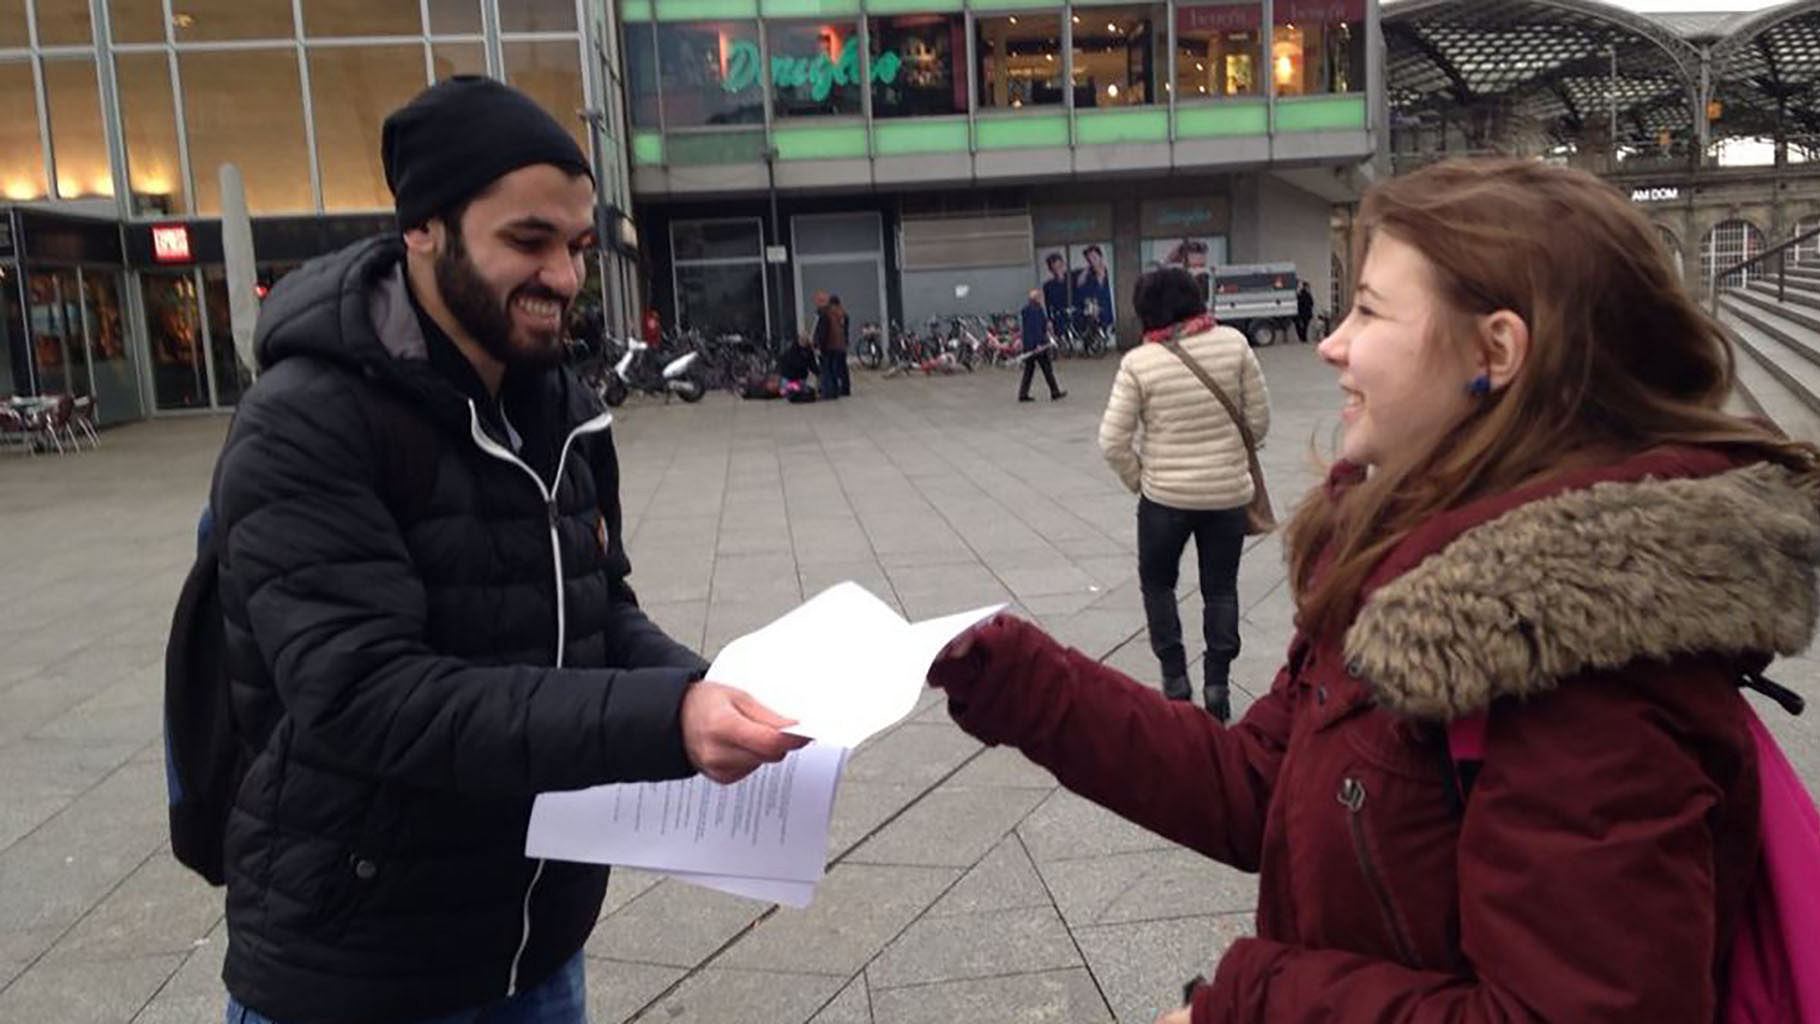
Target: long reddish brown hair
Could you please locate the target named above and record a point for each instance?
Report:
(1620, 358)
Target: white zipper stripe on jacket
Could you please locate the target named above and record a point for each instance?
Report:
(496, 450)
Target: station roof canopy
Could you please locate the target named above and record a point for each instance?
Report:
(1558, 67)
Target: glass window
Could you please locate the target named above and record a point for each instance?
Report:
(1020, 60)
(360, 18)
(454, 17)
(21, 147)
(246, 107)
(641, 73)
(709, 73)
(55, 323)
(136, 21)
(174, 340)
(15, 353)
(915, 60)
(232, 19)
(232, 378)
(77, 141)
(64, 23)
(537, 16)
(451, 59)
(720, 275)
(1218, 46)
(12, 24)
(1318, 47)
(116, 377)
(550, 73)
(149, 122)
(814, 67)
(360, 85)
(1118, 56)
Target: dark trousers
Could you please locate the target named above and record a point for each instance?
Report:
(1301, 326)
(1219, 538)
(1030, 365)
(835, 381)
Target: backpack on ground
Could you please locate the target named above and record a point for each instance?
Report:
(1774, 971)
(205, 755)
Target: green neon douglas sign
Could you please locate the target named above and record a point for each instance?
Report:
(820, 74)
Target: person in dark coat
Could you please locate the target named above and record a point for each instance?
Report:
(1542, 525)
(1037, 349)
(797, 364)
(407, 677)
(1304, 310)
(831, 337)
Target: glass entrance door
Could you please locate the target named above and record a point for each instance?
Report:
(54, 313)
(112, 361)
(15, 349)
(173, 323)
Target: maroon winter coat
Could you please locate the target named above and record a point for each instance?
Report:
(1607, 843)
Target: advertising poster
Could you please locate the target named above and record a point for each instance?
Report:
(1077, 278)
(1196, 254)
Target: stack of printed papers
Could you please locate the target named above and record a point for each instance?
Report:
(846, 667)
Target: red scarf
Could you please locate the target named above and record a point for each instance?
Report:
(1192, 325)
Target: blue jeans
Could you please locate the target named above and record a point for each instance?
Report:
(563, 999)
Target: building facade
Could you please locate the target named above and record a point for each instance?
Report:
(922, 158)
(917, 157)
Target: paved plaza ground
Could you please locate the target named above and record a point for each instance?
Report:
(964, 886)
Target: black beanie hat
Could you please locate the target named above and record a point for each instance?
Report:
(460, 135)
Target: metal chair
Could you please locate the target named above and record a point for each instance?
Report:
(82, 417)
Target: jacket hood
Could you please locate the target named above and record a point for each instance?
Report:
(1646, 566)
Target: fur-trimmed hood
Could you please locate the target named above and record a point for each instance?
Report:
(1593, 578)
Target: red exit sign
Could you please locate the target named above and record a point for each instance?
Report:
(171, 243)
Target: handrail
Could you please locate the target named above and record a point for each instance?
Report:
(1712, 281)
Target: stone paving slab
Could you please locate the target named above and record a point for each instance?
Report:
(963, 886)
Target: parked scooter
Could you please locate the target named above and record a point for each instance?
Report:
(638, 370)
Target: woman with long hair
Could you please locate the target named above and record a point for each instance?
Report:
(1541, 524)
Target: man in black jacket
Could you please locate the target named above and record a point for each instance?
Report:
(424, 590)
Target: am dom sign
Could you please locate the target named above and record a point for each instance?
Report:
(819, 73)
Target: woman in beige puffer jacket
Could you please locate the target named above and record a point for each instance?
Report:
(1188, 466)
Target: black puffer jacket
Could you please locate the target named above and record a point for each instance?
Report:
(394, 663)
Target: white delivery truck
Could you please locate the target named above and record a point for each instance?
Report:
(1256, 298)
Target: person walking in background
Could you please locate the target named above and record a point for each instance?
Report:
(1190, 470)
(1542, 529)
(1304, 310)
(1037, 349)
(831, 337)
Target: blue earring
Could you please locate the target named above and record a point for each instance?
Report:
(1480, 386)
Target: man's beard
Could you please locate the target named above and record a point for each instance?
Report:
(486, 316)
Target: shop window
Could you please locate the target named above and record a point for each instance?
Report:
(12, 24)
(64, 23)
(116, 380)
(1806, 253)
(720, 276)
(203, 20)
(550, 73)
(174, 341)
(455, 17)
(917, 63)
(77, 140)
(149, 121)
(1119, 56)
(814, 67)
(1021, 61)
(450, 59)
(15, 353)
(135, 21)
(1318, 47)
(21, 148)
(709, 73)
(353, 88)
(1218, 48)
(537, 16)
(360, 18)
(641, 73)
(246, 107)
